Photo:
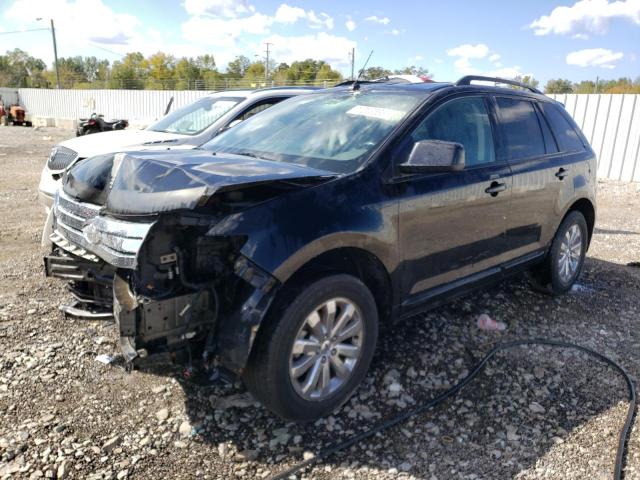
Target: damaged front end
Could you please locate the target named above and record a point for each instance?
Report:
(133, 234)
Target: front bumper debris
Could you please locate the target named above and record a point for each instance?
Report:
(173, 291)
(89, 282)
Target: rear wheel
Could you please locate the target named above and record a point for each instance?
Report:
(564, 262)
(309, 360)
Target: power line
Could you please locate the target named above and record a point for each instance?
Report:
(107, 50)
(24, 31)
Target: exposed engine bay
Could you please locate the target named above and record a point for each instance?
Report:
(134, 238)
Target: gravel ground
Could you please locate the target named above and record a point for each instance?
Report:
(535, 413)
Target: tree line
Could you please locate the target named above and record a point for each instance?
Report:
(159, 71)
(621, 85)
(162, 71)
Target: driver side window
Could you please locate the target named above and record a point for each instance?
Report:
(464, 120)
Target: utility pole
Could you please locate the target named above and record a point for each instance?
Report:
(353, 63)
(266, 65)
(55, 54)
(596, 87)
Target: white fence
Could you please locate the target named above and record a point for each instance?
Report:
(140, 107)
(611, 123)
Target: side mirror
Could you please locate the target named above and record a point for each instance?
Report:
(429, 156)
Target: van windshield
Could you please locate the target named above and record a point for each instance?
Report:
(195, 117)
(334, 131)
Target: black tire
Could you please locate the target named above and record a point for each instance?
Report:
(546, 277)
(267, 373)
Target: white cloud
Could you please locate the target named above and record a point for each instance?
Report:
(463, 65)
(319, 20)
(376, 19)
(218, 8)
(586, 17)
(481, 52)
(350, 24)
(594, 57)
(321, 46)
(287, 14)
(469, 51)
(395, 32)
(78, 18)
(413, 60)
(219, 32)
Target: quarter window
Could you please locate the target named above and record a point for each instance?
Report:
(465, 121)
(521, 128)
(565, 133)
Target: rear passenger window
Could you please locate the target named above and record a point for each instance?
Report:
(565, 133)
(465, 121)
(521, 128)
(549, 142)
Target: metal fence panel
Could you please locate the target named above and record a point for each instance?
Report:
(137, 106)
(611, 123)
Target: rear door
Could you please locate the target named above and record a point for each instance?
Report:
(542, 174)
(452, 225)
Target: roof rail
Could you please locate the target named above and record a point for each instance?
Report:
(470, 78)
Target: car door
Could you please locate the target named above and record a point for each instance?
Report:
(541, 175)
(452, 225)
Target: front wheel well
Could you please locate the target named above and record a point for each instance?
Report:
(587, 209)
(352, 261)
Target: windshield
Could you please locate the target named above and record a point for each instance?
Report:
(195, 117)
(333, 131)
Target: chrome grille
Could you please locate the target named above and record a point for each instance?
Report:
(79, 229)
(61, 158)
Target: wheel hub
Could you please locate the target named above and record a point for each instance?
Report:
(570, 253)
(326, 349)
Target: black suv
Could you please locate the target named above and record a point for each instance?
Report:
(277, 250)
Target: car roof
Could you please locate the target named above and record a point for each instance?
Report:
(429, 88)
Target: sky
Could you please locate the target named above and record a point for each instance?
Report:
(577, 40)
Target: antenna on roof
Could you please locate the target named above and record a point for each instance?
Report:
(356, 86)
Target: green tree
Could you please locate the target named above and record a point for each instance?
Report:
(326, 73)
(238, 67)
(131, 72)
(558, 85)
(19, 69)
(206, 63)
(373, 73)
(255, 72)
(186, 74)
(413, 70)
(527, 80)
(161, 72)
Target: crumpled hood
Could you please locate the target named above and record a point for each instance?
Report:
(145, 183)
(119, 140)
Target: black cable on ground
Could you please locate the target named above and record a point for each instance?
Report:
(624, 432)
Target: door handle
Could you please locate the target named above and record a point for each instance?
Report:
(495, 188)
(562, 173)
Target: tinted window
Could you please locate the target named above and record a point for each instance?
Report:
(521, 128)
(565, 133)
(549, 142)
(259, 108)
(464, 120)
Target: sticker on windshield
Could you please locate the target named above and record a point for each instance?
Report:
(387, 114)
